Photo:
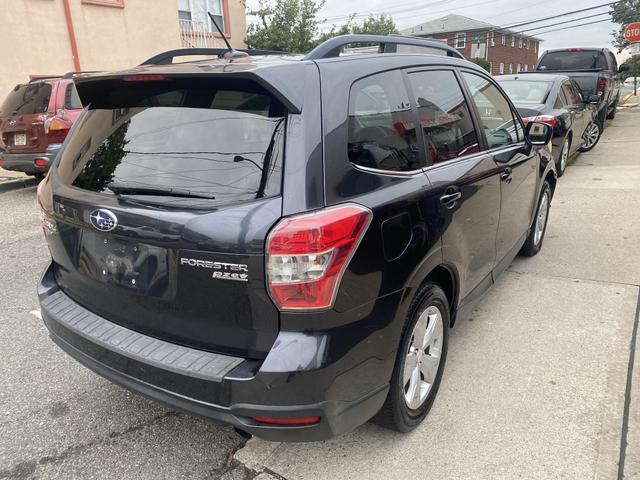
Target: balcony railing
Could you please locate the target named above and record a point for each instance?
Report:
(196, 34)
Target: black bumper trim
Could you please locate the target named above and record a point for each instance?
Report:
(136, 346)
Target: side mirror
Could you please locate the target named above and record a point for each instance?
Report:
(624, 67)
(538, 133)
(593, 99)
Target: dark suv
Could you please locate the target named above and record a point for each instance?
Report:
(35, 119)
(272, 242)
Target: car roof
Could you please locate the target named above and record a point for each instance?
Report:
(535, 77)
(281, 75)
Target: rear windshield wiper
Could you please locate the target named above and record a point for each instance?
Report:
(124, 189)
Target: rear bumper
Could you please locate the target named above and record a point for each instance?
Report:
(23, 162)
(227, 389)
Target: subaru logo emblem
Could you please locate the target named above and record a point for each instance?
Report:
(103, 220)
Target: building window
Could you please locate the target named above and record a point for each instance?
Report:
(526, 67)
(193, 16)
(461, 40)
(513, 41)
(520, 42)
(504, 39)
(493, 41)
(511, 68)
(518, 69)
(106, 3)
(527, 44)
(501, 68)
(535, 47)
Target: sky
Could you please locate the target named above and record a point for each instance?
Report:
(407, 13)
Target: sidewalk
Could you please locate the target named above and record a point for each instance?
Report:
(537, 384)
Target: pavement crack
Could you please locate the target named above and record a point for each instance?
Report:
(566, 277)
(26, 469)
(627, 394)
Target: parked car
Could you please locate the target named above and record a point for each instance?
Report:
(595, 70)
(629, 81)
(557, 101)
(275, 244)
(34, 120)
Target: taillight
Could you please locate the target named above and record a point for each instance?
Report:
(548, 119)
(602, 84)
(41, 162)
(56, 129)
(307, 255)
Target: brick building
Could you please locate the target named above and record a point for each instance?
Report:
(507, 51)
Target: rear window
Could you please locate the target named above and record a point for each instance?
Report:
(27, 99)
(524, 91)
(178, 145)
(573, 60)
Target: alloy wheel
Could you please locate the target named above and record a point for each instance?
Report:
(541, 219)
(423, 357)
(591, 135)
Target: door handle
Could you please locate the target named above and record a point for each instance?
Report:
(506, 175)
(449, 199)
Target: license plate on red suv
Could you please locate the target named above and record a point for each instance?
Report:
(20, 139)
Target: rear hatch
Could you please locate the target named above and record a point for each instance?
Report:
(162, 202)
(22, 118)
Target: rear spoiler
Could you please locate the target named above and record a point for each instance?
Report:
(104, 91)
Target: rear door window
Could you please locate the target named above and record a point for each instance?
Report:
(444, 115)
(180, 144)
(500, 125)
(382, 133)
(28, 99)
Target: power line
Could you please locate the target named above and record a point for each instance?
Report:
(574, 26)
(390, 11)
(562, 23)
(560, 15)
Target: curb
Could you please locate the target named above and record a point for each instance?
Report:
(15, 184)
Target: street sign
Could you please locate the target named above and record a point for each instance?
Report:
(632, 32)
(634, 49)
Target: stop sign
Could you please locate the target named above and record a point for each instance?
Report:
(632, 32)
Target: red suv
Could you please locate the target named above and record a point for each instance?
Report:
(34, 121)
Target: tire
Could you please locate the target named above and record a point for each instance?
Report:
(563, 157)
(614, 109)
(533, 244)
(591, 136)
(403, 411)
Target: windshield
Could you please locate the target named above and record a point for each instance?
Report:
(27, 99)
(526, 91)
(229, 151)
(573, 60)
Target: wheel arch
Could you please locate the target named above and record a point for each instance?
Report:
(445, 277)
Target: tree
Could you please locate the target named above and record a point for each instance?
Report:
(288, 26)
(372, 25)
(381, 25)
(623, 13)
(481, 62)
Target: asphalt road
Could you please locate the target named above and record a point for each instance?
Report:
(537, 383)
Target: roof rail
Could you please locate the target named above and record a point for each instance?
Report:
(37, 78)
(167, 57)
(387, 44)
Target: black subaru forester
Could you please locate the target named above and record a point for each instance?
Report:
(282, 243)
